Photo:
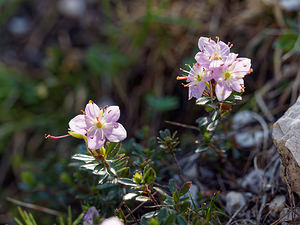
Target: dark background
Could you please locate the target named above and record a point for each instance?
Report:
(57, 55)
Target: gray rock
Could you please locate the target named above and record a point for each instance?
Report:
(244, 136)
(247, 139)
(234, 201)
(72, 8)
(288, 216)
(277, 205)
(241, 119)
(18, 25)
(290, 5)
(253, 180)
(286, 136)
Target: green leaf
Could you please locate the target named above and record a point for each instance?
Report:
(78, 220)
(120, 162)
(142, 198)
(113, 149)
(176, 197)
(237, 97)
(185, 188)
(215, 115)
(184, 206)
(180, 220)
(28, 178)
(202, 121)
(170, 220)
(213, 125)
(18, 221)
(69, 215)
(160, 191)
(124, 172)
(150, 215)
(120, 214)
(203, 100)
(162, 215)
(150, 176)
(202, 148)
(83, 157)
(172, 185)
(129, 196)
(286, 41)
(127, 182)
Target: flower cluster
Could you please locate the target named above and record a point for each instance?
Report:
(217, 67)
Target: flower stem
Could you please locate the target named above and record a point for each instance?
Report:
(176, 162)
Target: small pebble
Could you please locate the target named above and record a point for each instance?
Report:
(277, 205)
(234, 201)
(72, 8)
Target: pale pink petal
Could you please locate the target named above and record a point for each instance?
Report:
(196, 90)
(202, 59)
(112, 221)
(242, 66)
(95, 139)
(210, 48)
(230, 59)
(92, 110)
(237, 85)
(215, 64)
(78, 124)
(222, 91)
(204, 41)
(115, 133)
(111, 114)
(224, 49)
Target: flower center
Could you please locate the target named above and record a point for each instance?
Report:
(98, 123)
(216, 57)
(199, 77)
(227, 75)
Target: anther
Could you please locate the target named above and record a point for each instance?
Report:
(90, 101)
(83, 112)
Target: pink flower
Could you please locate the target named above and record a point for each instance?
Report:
(97, 124)
(212, 54)
(230, 76)
(197, 78)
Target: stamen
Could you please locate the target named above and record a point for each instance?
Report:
(248, 71)
(218, 39)
(56, 137)
(188, 72)
(186, 77)
(105, 106)
(83, 112)
(188, 66)
(90, 101)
